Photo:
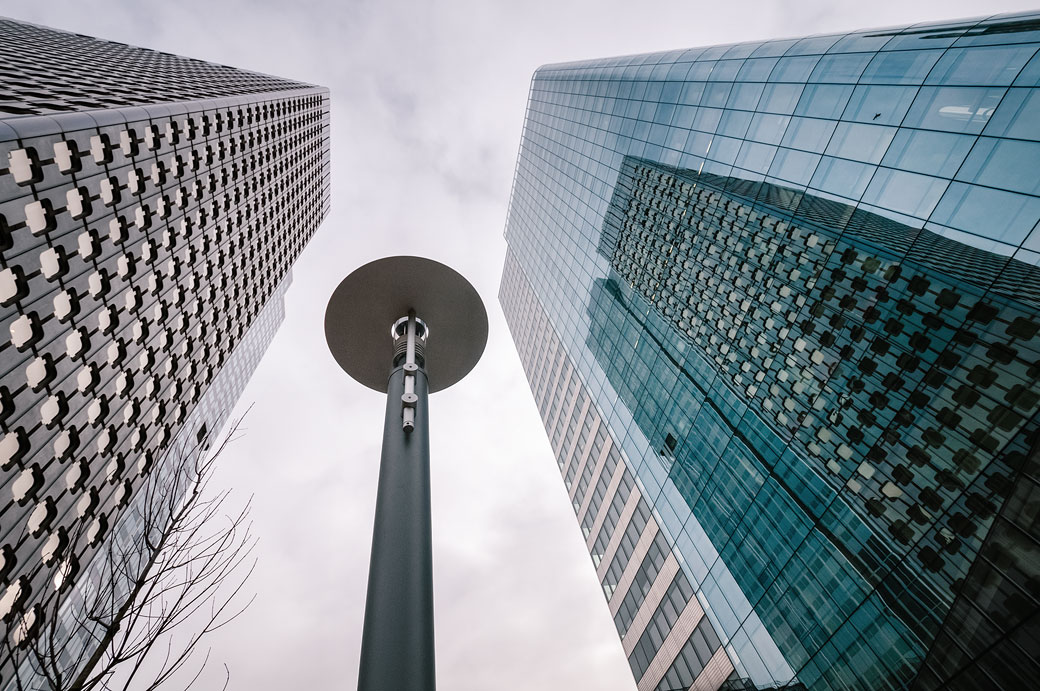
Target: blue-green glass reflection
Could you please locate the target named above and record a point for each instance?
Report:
(800, 281)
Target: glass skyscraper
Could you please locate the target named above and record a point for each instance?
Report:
(779, 307)
(151, 208)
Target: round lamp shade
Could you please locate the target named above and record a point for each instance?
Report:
(366, 304)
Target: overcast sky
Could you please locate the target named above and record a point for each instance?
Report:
(427, 107)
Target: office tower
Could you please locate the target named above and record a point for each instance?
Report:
(151, 207)
(778, 306)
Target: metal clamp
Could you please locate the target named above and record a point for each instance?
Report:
(408, 398)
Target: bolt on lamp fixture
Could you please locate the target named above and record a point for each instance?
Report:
(436, 319)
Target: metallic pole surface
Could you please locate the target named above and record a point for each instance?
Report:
(397, 641)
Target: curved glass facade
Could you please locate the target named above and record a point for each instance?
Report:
(798, 280)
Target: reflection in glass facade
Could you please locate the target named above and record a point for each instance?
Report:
(148, 225)
(779, 306)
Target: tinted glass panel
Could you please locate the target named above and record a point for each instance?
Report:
(811, 134)
(1010, 165)
(768, 128)
(841, 68)
(860, 142)
(987, 66)
(1003, 216)
(845, 178)
(794, 69)
(901, 67)
(905, 193)
(924, 151)
(883, 105)
(824, 100)
(794, 166)
(1017, 116)
(780, 98)
(953, 108)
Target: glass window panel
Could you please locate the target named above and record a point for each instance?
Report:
(658, 134)
(735, 123)
(1030, 257)
(700, 71)
(725, 70)
(663, 114)
(692, 93)
(924, 151)
(713, 53)
(670, 92)
(684, 116)
(905, 193)
(900, 67)
(987, 66)
(844, 178)
(716, 95)
(756, 69)
(810, 134)
(710, 166)
(746, 96)
(749, 658)
(698, 143)
(794, 166)
(724, 149)
(768, 128)
(1019, 28)
(1017, 116)
(1030, 74)
(794, 69)
(692, 54)
(882, 105)
(773, 49)
(863, 42)
(930, 35)
(814, 45)
(641, 131)
(677, 72)
(780, 98)
(824, 100)
(1004, 216)
(755, 157)
(843, 68)
(953, 108)
(707, 119)
(860, 142)
(1006, 164)
(740, 50)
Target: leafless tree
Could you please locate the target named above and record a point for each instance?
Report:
(173, 573)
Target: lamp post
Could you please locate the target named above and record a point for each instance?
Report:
(406, 326)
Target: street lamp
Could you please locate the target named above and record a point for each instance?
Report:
(434, 319)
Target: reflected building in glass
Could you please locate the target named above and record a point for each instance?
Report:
(151, 208)
(779, 307)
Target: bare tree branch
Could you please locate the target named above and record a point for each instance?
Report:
(179, 559)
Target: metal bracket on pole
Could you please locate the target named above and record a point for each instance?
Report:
(408, 398)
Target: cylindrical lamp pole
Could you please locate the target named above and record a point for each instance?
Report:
(397, 642)
(397, 652)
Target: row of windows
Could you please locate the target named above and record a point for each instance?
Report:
(642, 581)
(84, 78)
(625, 546)
(679, 593)
(542, 357)
(600, 491)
